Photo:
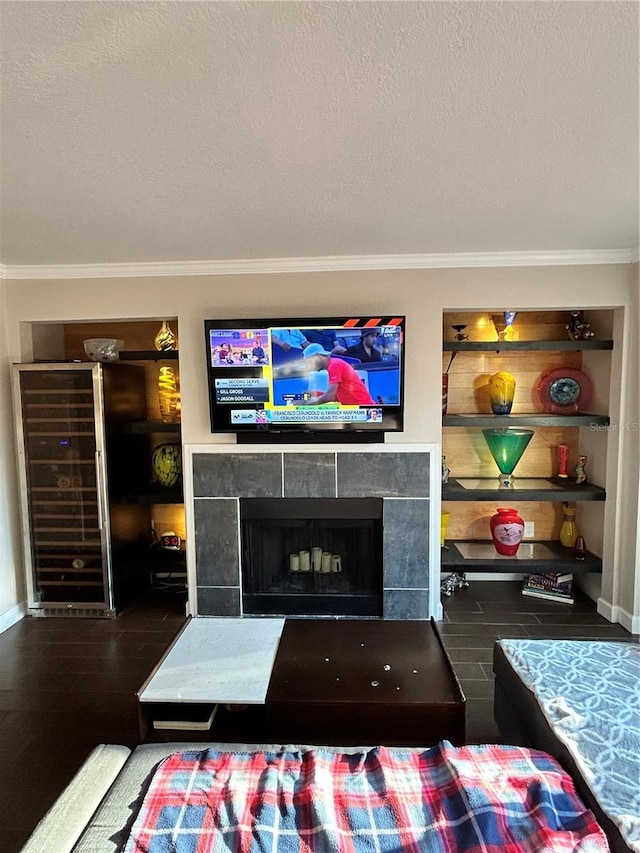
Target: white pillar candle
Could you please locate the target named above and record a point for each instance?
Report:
(336, 563)
(326, 562)
(316, 559)
(294, 562)
(305, 561)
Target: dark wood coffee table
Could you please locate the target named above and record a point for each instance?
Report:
(363, 682)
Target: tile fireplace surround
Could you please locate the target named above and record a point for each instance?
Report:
(403, 475)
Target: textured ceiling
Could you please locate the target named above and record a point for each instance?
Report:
(184, 131)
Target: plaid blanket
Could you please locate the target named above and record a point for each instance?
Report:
(480, 799)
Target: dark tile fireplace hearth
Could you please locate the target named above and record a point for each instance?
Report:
(393, 543)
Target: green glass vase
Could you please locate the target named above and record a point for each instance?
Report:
(507, 446)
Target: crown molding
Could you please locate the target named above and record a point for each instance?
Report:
(321, 264)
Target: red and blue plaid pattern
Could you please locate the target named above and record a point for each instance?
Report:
(478, 799)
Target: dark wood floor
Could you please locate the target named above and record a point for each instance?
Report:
(68, 684)
(486, 611)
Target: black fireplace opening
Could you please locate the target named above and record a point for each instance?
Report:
(312, 556)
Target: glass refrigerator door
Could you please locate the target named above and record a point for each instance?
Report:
(64, 475)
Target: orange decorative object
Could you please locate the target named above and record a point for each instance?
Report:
(445, 392)
(563, 390)
(563, 460)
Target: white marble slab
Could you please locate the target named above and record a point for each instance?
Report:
(218, 660)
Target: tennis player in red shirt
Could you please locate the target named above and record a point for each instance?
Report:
(345, 386)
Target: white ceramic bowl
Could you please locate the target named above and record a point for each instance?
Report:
(103, 349)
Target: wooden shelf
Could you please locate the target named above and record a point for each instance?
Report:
(524, 346)
(154, 494)
(149, 355)
(68, 392)
(69, 570)
(62, 461)
(139, 427)
(453, 561)
(523, 489)
(77, 583)
(533, 419)
(65, 489)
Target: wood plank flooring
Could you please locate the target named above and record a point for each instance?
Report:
(69, 684)
(66, 685)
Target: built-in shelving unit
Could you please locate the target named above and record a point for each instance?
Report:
(473, 481)
(162, 507)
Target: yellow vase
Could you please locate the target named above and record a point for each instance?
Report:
(444, 522)
(168, 395)
(568, 528)
(502, 387)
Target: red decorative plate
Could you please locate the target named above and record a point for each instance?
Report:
(563, 391)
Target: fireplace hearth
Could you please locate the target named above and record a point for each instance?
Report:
(312, 557)
(388, 555)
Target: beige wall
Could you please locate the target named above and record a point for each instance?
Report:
(11, 575)
(420, 294)
(628, 522)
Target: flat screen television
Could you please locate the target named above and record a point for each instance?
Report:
(319, 376)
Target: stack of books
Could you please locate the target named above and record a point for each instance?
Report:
(553, 587)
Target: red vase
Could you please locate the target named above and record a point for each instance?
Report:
(507, 530)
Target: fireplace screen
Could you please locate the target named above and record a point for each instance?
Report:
(312, 557)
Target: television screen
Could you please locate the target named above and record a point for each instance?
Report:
(306, 375)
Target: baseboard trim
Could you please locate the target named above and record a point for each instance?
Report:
(607, 610)
(10, 617)
(618, 614)
(631, 623)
